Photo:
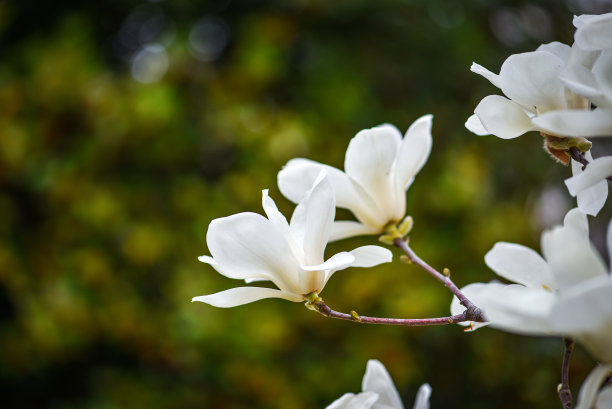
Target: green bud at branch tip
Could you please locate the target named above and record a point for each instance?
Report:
(446, 272)
(405, 226)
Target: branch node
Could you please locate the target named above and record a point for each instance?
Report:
(355, 316)
(446, 272)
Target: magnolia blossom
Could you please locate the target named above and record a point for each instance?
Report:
(593, 32)
(591, 396)
(530, 81)
(590, 186)
(251, 247)
(379, 167)
(567, 292)
(379, 392)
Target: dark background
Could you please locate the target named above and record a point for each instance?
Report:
(126, 127)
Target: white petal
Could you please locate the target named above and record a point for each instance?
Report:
(519, 264)
(378, 380)
(604, 400)
(369, 161)
(503, 118)
(576, 219)
(585, 311)
(370, 256)
(414, 151)
(492, 77)
(472, 292)
(264, 276)
(336, 262)
(590, 185)
(247, 245)
(312, 219)
(364, 400)
(602, 70)
(582, 81)
(609, 241)
(570, 255)
(516, 308)
(344, 229)
(474, 125)
(576, 122)
(244, 295)
(590, 387)
(422, 398)
(594, 32)
(298, 176)
(561, 50)
(272, 212)
(530, 79)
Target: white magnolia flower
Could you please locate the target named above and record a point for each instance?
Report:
(533, 91)
(379, 392)
(591, 395)
(593, 82)
(379, 167)
(565, 293)
(593, 32)
(251, 247)
(590, 185)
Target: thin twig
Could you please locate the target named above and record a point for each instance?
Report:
(472, 314)
(579, 157)
(439, 276)
(564, 391)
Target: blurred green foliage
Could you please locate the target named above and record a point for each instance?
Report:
(107, 186)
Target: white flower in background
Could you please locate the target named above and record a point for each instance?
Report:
(379, 167)
(251, 247)
(593, 32)
(532, 88)
(379, 392)
(590, 185)
(590, 395)
(565, 293)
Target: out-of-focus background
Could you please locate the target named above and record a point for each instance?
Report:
(127, 126)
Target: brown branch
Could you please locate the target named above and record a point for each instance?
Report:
(564, 391)
(444, 279)
(471, 314)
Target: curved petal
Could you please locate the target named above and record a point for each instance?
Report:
(244, 295)
(594, 32)
(370, 256)
(298, 176)
(530, 79)
(575, 122)
(411, 156)
(609, 242)
(422, 398)
(364, 400)
(480, 70)
(336, 262)
(472, 292)
(280, 222)
(378, 380)
(561, 50)
(602, 70)
(604, 400)
(503, 118)
(239, 275)
(585, 311)
(344, 229)
(569, 253)
(590, 387)
(576, 219)
(474, 125)
(590, 185)
(516, 308)
(582, 81)
(312, 220)
(520, 264)
(369, 161)
(247, 245)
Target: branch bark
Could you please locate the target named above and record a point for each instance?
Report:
(564, 391)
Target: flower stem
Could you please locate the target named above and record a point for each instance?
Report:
(564, 391)
(444, 279)
(471, 314)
